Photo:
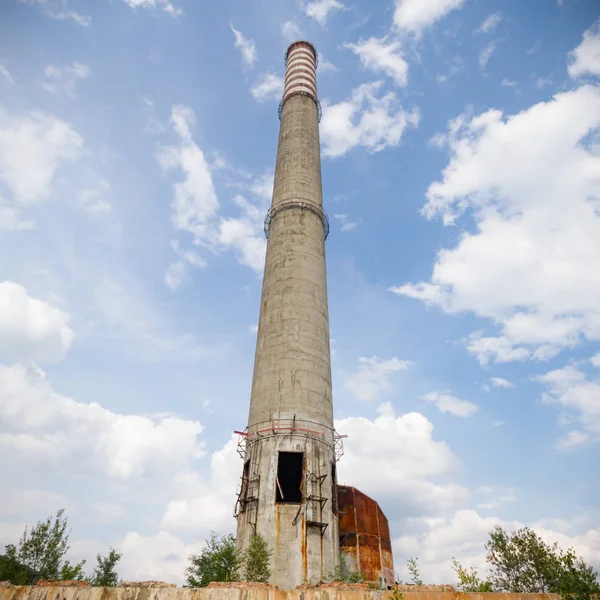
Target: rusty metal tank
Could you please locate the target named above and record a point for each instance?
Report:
(365, 536)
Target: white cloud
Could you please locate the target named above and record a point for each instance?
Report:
(210, 502)
(496, 349)
(496, 497)
(161, 556)
(123, 313)
(60, 11)
(93, 200)
(268, 87)
(65, 78)
(195, 207)
(347, 224)
(10, 219)
(166, 5)
(325, 66)
(244, 235)
(530, 265)
(570, 388)
(499, 382)
(416, 15)
(107, 511)
(463, 534)
(20, 502)
(6, 73)
(437, 541)
(509, 83)
(178, 271)
(543, 82)
(31, 329)
(246, 46)
(364, 120)
(195, 199)
(395, 460)
(595, 360)
(291, 31)
(262, 186)
(378, 55)
(372, 377)
(572, 439)
(32, 149)
(451, 404)
(490, 24)
(486, 54)
(585, 59)
(320, 9)
(41, 426)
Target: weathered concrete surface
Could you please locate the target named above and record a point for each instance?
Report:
(240, 593)
(291, 406)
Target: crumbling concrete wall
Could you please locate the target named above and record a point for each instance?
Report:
(246, 592)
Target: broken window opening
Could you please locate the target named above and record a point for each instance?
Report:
(288, 484)
(334, 499)
(245, 480)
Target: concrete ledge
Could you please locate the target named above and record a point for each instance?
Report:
(246, 592)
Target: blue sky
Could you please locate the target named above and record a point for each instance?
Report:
(461, 175)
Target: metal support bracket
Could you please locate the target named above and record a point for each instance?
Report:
(302, 204)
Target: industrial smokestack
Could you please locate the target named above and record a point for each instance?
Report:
(288, 488)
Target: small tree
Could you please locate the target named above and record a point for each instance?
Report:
(218, 561)
(39, 554)
(413, 568)
(69, 572)
(257, 559)
(343, 573)
(105, 574)
(522, 562)
(468, 579)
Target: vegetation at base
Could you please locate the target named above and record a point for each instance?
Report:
(468, 579)
(69, 572)
(521, 562)
(396, 595)
(40, 555)
(257, 560)
(343, 573)
(413, 568)
(218, 561)
(105, 574)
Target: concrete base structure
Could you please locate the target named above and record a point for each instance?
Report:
(247, 592)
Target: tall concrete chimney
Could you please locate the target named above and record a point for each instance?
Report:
(288, 488)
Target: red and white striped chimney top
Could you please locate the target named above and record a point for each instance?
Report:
(300, 70)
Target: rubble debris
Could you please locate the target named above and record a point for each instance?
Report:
(146, 584)
(62, 583)
(240, 584)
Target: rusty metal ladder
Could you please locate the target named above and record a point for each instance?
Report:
(315, 501)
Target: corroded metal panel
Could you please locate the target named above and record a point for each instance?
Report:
(347, 512)
(366, 513)
(370, 561)
(364, 530)
(384, 529)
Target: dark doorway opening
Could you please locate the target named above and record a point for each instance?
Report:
(245, 480)
(334, 499)
(288, 488)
